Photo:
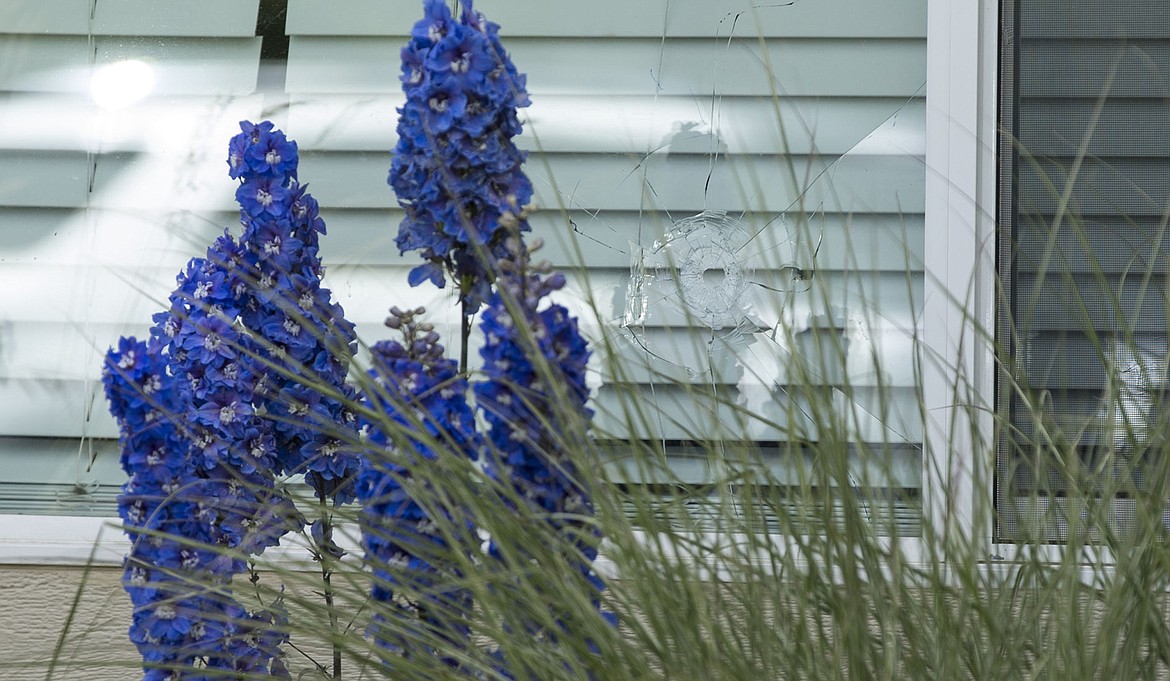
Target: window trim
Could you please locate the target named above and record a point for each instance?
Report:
(958, 313)
(61, 540)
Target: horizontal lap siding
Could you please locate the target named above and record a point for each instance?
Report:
(622, 66)
(614, 182)
(209, 66)
(622, 124)
(207, 18)
(46, 235)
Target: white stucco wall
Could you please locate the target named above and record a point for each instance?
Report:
(40, 604)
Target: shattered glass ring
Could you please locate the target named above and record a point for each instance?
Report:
(694, 273)
(711, 283)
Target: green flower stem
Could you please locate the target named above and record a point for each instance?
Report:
(326, 558)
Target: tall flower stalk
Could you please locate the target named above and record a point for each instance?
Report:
(458, 176)
(420, 399)
(456, 170)
(241, 382)
(534, 402)
(305, 343)
(196, 503)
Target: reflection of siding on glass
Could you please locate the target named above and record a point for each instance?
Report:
(1085, 263)
(827, 122)
(110, 136)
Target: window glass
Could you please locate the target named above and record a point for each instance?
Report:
(737, 193)
(1083, 227)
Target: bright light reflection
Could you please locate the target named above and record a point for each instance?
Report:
(118, 85)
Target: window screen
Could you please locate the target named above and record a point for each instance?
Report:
(1083, 216)
(736, 191)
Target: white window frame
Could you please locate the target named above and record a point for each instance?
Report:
(959, 300)
(961, 122)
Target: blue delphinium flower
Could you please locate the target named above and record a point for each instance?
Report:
(249, 363)
(176, 574)
(533, 400)
(212, 361)
(236, 510)
(143, 400)
(304, 342)
(419, 391)
(455, 170)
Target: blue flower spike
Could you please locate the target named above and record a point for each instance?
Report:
(420, 396)
(242, 381)
(456, 170)
(534, 400)
(307, 343)
(182, 508)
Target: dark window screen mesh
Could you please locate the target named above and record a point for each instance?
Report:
(1084, 187)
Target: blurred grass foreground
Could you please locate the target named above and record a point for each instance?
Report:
(727, 479)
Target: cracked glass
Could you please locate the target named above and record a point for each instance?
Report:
(774, 189)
